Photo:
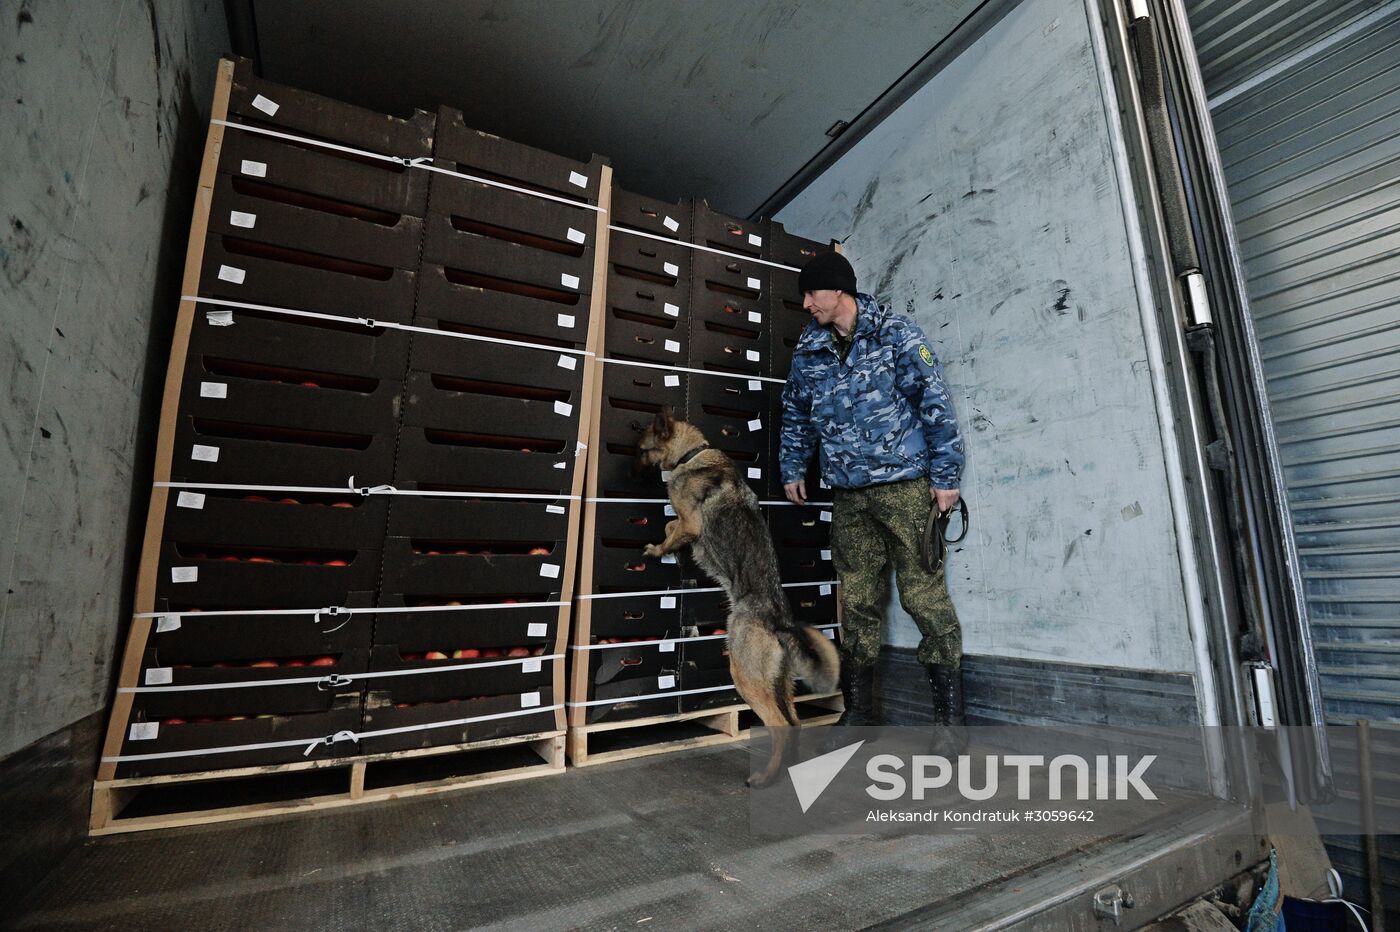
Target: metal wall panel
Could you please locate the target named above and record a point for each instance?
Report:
(1312, 161)
(1306, 108)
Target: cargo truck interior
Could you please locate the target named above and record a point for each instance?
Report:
(1035, 182)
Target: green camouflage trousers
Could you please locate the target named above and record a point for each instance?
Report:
(871, 527)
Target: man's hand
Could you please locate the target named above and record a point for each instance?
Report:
(796, 492)
(944, 499)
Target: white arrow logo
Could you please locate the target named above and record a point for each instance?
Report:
(811, 778)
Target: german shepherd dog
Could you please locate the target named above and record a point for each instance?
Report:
(718, 516)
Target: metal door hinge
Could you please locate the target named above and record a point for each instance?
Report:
(1137, 9)
(1261, 682)
(1110, 902)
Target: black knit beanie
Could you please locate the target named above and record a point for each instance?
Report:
(827, 270)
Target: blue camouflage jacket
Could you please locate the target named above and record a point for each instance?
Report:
(881, 416)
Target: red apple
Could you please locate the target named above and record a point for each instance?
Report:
(518, 652)
(491, 652)
(263, 663)
(335, 563)
(310, 385)
(174, 721)
(326, 661)
(294, 662)
(288, 501)
(255, 498)
(434, 655)
(261, 560)
(539, 551)
(342, 505)
(466, 653)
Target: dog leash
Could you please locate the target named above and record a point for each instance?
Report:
(935, 542)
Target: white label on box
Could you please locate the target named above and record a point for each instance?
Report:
(824, 588)
(669, 511)
(672, 346)
(213, 390)
(561, 465)
(144, 731)
(825, 516)
(666, 682)
(239, 218)
(672, 310)
(672, 381)
(755, 239)
(566, 320)
(567, 362)
(564, 408)
(270, 107)
(670, 268)
(167, 623)
(671, 223)
(193, 500)
(233, 274)
(184, 574)
(530, 666)
(554, 509)
(755, 385)
(668, 601)
(256, 169)
(752, 355)
(756, 424)
(568, 281)
(549, 570)
(831, 633)
(755, 317)
(665, 475)
(578, 180)
(668, 558)
(667, 647)
(755, 472)
(160, 676)
(575, 236)
(536, 629)
(755, 284)
(529, 700)
(826, 555)
(219, 318)
(205, 454)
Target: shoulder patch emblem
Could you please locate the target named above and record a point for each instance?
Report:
(926, 355)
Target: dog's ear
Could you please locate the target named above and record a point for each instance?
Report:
(663, 424)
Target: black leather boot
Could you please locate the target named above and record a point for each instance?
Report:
(858, 691)
(950, 733)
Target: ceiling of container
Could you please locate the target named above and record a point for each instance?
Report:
(724, 99)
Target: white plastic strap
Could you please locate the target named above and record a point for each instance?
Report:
(426, 165)
(718, 252)
(665, 695)
(657, 365)
(338, 679)
(422, 162)
(371, 323)
(628, 595)
(312, 744)
(658, 642)
(334, 610)
(365, 491)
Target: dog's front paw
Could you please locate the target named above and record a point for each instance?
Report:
(652, 550)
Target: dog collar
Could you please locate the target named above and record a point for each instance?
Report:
(690, 454)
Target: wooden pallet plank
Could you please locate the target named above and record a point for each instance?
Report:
(111, 797)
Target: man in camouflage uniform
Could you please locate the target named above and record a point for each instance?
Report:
(865, 383)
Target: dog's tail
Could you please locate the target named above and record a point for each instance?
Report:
(815, 658)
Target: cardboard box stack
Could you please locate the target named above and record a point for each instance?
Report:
(693, 321)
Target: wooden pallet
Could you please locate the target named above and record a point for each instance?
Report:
(605, 742)
(138, 804)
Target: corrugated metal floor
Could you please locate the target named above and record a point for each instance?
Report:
(659, 842)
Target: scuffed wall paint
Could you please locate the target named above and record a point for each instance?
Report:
(103, 110)
(987, 207)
